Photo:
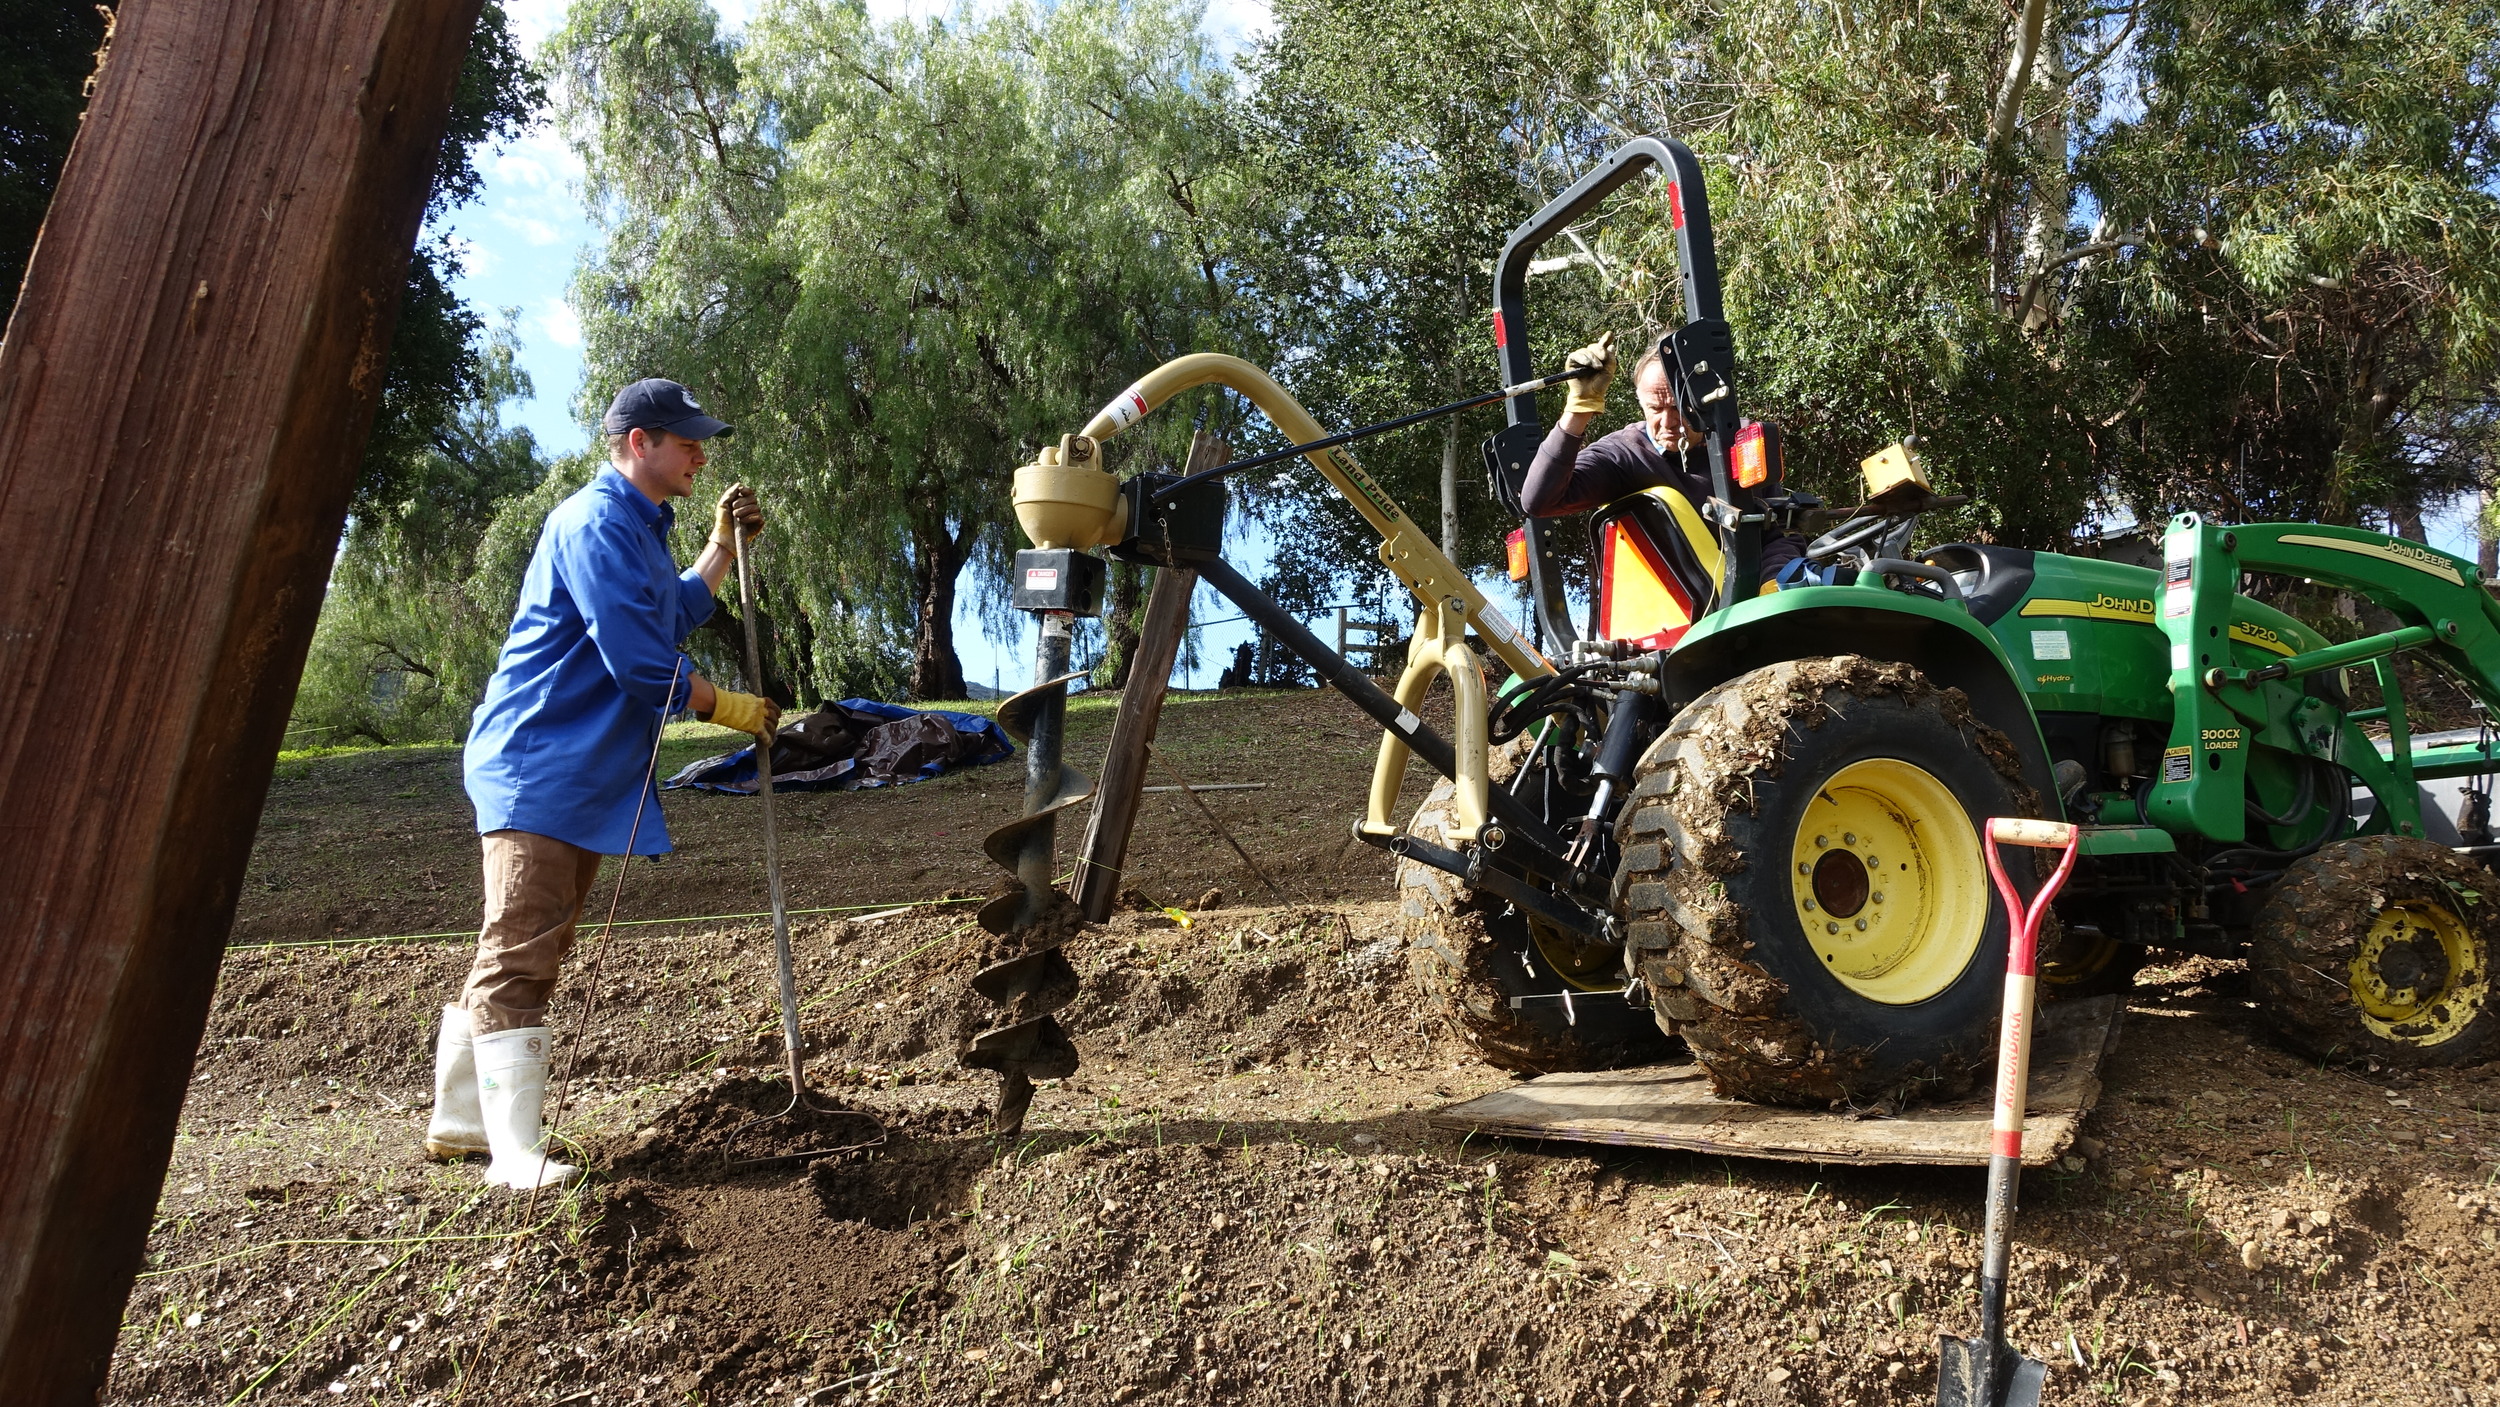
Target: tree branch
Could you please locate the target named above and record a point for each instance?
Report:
(2134, 11)
(2009, 111)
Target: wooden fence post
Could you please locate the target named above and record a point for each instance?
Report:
(1099, 860)
(185, 390)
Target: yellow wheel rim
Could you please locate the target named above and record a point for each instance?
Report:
(2416, 976)
(2081, 964)
(1591, 967)
(1888, 881)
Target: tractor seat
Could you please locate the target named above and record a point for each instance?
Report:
(1657, 568)
(1993, 579)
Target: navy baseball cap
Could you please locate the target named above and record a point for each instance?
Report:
(656, 404)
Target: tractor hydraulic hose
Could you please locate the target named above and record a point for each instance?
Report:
(2341, 817)
(2300, 802)
(1532, 700)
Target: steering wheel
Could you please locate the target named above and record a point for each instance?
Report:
(1853, 533)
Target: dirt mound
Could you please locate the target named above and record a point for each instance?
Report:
(744, 1121)
(761, 1273)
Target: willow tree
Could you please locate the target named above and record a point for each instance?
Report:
(899, 258)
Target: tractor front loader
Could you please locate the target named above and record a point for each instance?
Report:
(1750, 816)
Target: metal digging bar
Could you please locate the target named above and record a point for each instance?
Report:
(1029, 1043)
(789, 990)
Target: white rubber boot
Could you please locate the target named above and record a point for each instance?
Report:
(458, 1128)
(512, 1090)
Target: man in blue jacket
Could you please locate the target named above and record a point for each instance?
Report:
(558, 756)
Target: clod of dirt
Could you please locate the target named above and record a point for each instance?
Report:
(742, 1121)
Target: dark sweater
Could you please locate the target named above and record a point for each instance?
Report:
(1567, 477)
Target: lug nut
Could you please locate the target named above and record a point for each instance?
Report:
(1849, 838)
(1861, 925)
(1877, 897)
(1809, 906)
(1821, 841)
(1831, 928)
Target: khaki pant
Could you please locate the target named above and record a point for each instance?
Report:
(535, 888)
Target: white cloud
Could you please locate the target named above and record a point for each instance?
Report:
(538, 159)
(530, 228)
(533, 20)
(476, 260)
(1236, 24)
(555, 319)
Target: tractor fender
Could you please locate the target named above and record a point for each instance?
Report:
(1937, 638)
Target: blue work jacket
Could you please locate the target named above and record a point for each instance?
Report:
(561, 745)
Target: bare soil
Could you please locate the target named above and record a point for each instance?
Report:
(1238, 1198)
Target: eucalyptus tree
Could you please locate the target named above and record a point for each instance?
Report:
(2106, 258)
(899, 257)
(1396, 146)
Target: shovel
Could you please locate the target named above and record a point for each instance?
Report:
(1987, 1371)
(801, 1103)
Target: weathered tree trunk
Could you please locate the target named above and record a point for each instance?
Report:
(206, 320)
(937, 672)
(2052, 195)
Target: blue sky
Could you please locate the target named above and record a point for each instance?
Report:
(521, 239)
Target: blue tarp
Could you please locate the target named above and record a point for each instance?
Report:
(854, 744)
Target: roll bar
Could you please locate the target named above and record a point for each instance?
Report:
(1704, 358)
(1696, 257)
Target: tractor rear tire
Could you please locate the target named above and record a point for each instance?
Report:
(2381, 948)
(1847, 794)
(2074, 966)
(1471, 953)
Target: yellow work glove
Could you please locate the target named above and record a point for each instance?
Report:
(745, 712)
(737, 509)
(1588, 394)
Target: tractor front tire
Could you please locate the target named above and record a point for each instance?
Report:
(2381, 947)
(1805, 892)
(1471, 953)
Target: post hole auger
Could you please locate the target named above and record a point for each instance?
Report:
(1533, 852)
(1028, 1043)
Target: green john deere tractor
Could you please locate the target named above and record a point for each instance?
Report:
(1750, 816)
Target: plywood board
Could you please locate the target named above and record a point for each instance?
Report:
(1671, 1106)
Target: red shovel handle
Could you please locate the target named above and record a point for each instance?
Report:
(2022, 963)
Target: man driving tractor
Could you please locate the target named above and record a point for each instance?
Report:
(1656, 451)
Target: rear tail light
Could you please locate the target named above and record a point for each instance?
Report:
(1517, 543)
(1757, 454)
